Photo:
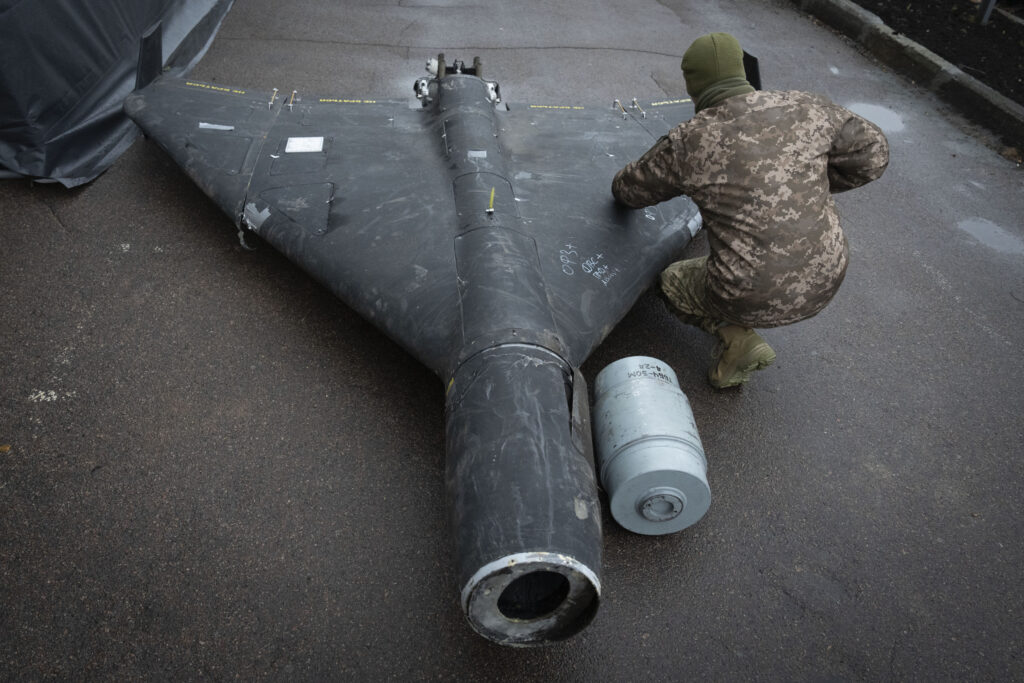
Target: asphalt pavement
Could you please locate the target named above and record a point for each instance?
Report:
(211, 469)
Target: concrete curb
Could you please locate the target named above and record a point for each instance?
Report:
(978, 102)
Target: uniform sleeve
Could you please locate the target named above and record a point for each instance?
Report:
(650, 179)
(859, 154)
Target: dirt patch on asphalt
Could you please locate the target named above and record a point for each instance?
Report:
(993, 53)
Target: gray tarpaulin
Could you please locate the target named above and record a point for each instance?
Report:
(66, 67)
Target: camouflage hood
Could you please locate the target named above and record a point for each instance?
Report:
(713, 69)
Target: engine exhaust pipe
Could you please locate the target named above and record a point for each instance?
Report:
(522, 495)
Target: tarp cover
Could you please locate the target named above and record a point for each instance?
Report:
(68, 66)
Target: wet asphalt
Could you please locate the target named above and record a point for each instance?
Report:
(210, 468)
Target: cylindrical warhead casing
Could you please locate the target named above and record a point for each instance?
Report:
(649, 454)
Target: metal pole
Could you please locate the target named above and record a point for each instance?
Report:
(985, 11)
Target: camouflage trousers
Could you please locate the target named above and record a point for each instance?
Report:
(683, 284)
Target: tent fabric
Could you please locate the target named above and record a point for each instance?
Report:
(68, 65)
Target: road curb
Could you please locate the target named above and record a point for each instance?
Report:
(975, 100)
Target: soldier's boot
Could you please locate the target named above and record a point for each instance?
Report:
(740, 353)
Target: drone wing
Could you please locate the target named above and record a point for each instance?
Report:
(364, 195)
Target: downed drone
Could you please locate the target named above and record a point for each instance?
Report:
(482, 237)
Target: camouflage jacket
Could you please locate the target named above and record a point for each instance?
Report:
(762, 167)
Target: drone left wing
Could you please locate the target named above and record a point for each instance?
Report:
(352, 191)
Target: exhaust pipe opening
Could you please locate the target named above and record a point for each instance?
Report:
(534, 595)
(531, 598)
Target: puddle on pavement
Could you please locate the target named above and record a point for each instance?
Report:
(886, 119)
(992, 236)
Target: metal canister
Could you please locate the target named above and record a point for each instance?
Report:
(649, 455)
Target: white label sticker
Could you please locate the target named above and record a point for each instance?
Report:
(295, 145)
(214, 126)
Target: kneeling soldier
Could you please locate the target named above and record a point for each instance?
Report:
(762, 167)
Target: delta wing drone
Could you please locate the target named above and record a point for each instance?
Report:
(483, 238)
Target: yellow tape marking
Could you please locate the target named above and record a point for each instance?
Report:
(207, 86)
(336, 100)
